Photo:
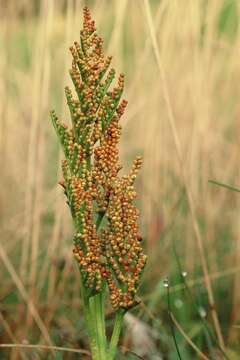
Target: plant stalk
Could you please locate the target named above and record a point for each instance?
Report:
(116, 333)
(98, 324)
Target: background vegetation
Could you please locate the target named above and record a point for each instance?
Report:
(182, 68)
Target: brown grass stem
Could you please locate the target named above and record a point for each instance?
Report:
(16, 279)
(46, 347)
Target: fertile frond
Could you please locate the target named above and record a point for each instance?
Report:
(108, 253)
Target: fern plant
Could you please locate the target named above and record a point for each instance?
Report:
(107, 244)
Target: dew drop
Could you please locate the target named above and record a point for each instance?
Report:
(178, 303)
(166, 283)
(202, 312)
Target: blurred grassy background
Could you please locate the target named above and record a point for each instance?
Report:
(190, 76)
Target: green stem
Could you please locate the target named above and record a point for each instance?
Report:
(116, 333)
(98, 322)
(95, 321)
(102, 316)
(89, 319)
(230, 187)
(99, 219)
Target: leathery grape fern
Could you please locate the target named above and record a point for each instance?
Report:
(107, 243)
